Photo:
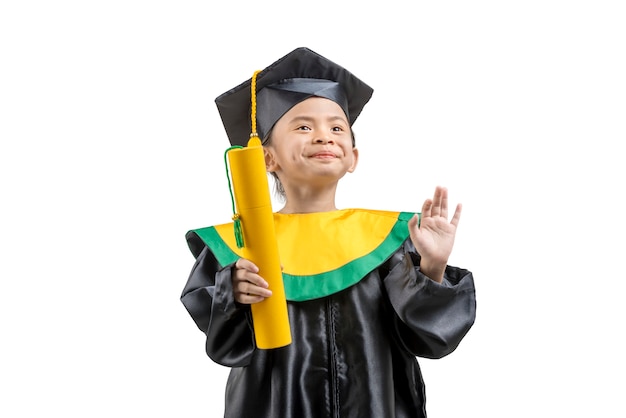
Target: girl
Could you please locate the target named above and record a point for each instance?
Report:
(367, 291)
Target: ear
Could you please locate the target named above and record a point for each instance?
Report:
(270, 162)
(355, 156)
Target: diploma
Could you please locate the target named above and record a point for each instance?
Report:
(252, 198)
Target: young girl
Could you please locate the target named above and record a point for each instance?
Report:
(367, 291)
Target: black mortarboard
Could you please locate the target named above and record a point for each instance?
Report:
(295, 77)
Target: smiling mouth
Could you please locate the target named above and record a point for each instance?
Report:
(324, 155)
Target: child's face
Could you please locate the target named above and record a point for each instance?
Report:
(312, 143)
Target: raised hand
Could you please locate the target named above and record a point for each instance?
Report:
(433, 237)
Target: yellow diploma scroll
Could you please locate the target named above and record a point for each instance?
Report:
(252, 197)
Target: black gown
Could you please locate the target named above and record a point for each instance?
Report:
(353, 352)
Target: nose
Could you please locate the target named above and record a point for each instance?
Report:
(324, 138)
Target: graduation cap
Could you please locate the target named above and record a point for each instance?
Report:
(293, 78)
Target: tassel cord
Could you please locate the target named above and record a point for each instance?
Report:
(236, 220)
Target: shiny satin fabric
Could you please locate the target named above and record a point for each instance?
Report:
(353, 353)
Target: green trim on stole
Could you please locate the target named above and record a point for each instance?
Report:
(302, 288)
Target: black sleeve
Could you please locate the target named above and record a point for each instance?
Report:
(432, 317)
(208, 297)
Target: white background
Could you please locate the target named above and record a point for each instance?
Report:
(112, 149)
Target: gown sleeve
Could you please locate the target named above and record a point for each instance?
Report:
(432, 318)
(208, 297)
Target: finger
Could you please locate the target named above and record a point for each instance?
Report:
(252, 279)
(444, 202)
(248, 299)
(426, 207)
(246, 264)
(246, 272)
(250, 289)
(457, 215)
(436, 208)
(414, 229)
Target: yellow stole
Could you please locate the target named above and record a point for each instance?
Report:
(321, 253)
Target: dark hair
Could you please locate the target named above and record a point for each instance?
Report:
(279, 190)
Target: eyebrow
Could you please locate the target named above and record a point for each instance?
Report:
(311, 119)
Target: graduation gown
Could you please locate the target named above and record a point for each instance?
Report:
(360, 312)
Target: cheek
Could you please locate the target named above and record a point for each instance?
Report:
(283, 159)
(290, 155)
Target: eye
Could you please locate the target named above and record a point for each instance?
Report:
(303, 128)
(337, 129)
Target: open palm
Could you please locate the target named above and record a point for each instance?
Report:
(433, 235)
